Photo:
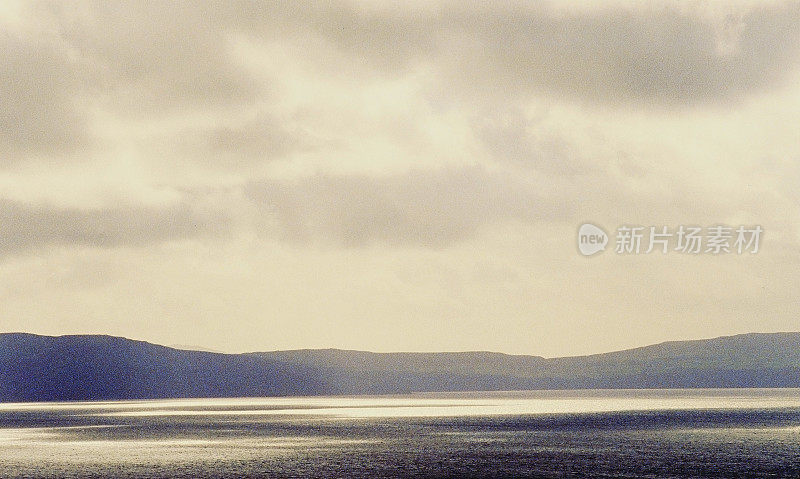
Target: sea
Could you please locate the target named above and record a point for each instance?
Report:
(689, 433)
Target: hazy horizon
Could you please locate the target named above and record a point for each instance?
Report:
(395, 177)
(197, 347)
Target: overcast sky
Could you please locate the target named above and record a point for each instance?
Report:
(395, 175)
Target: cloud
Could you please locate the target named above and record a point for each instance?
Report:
(509, 136)
(156, 60)
(420, 208)
(156, 57)
(430, 209)
(39, 113)
(67, 67)
(653, 55)
(27, 227)
(237, 144)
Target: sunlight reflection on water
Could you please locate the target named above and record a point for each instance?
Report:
(673, 433)
(453, 406)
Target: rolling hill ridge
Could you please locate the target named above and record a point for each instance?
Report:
(97, 367)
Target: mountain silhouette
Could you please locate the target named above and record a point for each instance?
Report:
(98, 367)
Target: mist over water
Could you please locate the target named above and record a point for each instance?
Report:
(586, 433)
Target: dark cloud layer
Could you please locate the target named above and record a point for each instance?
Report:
(146, 59)
(27, 227)
(652, 55)
(419, 208)
(425, 208)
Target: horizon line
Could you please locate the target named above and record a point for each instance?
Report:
(204, 349)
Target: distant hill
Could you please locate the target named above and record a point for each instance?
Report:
(47, 368)
(747, 360)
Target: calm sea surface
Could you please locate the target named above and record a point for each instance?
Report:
(590, 433)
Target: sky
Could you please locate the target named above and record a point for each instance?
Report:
(395, 176)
